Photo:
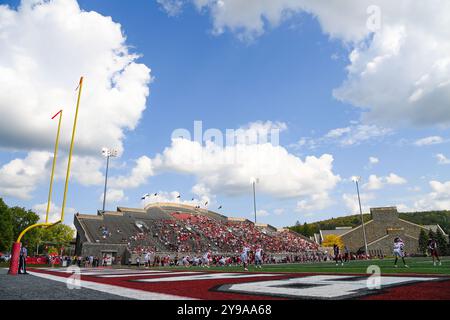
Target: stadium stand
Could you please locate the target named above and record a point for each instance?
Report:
(179, 229)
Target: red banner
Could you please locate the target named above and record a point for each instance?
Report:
(42, 260)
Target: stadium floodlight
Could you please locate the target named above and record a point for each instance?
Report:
(356, 180)
(108, 153)
(254, 181)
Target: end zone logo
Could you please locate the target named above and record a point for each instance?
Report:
(318, 287)
(184, 285)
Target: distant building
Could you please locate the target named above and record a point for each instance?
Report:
(381, 231)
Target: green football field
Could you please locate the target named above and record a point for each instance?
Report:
(416, 266)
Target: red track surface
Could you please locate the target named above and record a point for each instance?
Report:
(208, 289)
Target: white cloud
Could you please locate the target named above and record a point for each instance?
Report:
(172, 7)
(203, 194)
(20, 177)
(429, 141)
(315, 202)
(374, 160)
(337, 133)
(202, 197)
(395, 179)
(245, 18)
(442, 159)
(85, 170)
(45, 46)
(229, 170)
(259, 132)
(113, 196)
(437, 199)
(162, 196)
(54, 212)
(279, 211)
(399, 74)
(351, 202)
(260, 213)
(376, 183)
(138, 176)
(401, 207)
(352, 135)
(356, 134)
(410, 51)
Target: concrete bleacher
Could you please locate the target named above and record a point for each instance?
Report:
(169, 227)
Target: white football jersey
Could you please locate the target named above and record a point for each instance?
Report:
(398, 246)
(258, 252)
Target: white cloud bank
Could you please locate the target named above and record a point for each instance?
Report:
(351, 202)
(428, 141)
(442, 159)
(230, 170)
(398, 75)
(437, 199)
(352, 135)
(45, 46)
(20, 177)
(54, 212)
(376, 183)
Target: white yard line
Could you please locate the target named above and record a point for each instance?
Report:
(142, 274)
(116, 290)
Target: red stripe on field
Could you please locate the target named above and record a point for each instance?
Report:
(204, 289)
(433, 290)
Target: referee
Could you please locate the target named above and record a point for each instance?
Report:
(23, 260)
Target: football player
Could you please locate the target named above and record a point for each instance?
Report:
(337, 255)
(186, 262)
(244, 256)
(222, 261)
(433, 249)
(399, 251)
(258, 257)
(205, 259)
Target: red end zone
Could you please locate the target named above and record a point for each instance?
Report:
(199, 284)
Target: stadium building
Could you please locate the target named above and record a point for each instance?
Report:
(381, 230)
(178, 229)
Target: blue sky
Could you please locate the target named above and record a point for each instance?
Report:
(286, 73)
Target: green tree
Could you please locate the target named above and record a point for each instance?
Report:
(6, 227)
(16, 219)
(21, 219)
(431, 234)
(423, 241)
(307, 232)
(442, 242)
(60, 235)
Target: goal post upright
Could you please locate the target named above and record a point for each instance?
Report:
(15, 252)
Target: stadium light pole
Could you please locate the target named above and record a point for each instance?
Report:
(254, 182)
(107, 153)
(356, 180)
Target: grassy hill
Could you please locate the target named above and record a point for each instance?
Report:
(427, 217)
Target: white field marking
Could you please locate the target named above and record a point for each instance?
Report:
(143, 274)
(90, 272)
(326, 286)
(208, 276)
(115, 290)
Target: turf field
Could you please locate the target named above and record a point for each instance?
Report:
(416, 266)
(323, 281)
